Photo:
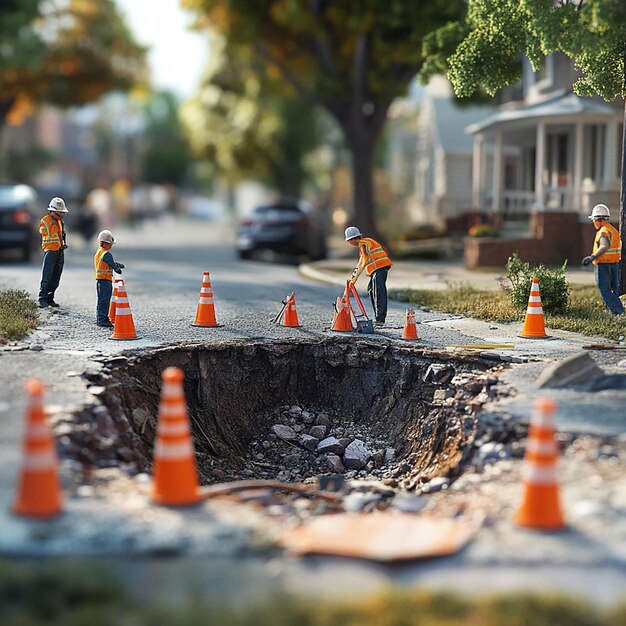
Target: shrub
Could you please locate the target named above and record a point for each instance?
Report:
(423, 231)
(18, 314)
(553, 285)
(482, 230)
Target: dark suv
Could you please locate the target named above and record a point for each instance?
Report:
(291, 227)
(19, 219)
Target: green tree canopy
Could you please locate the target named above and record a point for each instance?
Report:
(65, 53)
(167, 155)
(352, 57)
(247, 125)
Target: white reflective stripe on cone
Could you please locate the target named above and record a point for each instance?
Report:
(38, 431)
(539, 474)
(173, 429)
(534, 310)
(205, 301)
(173, 452)
(121, 300)
(541, 447)
(171, 390)
(172, 408)
(39, 461)
(542, 421)
(123, 311)
(534, 299)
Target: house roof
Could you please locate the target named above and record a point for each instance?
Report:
(451, 120)
(566, 105)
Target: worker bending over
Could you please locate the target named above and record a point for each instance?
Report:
(373, 258)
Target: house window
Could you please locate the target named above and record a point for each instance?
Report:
(544, 78)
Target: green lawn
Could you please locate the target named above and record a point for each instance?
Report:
(586, 314)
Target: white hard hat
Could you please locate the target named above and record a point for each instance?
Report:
(600, 210)
(106, 236)
(352, 232)
(57, 204)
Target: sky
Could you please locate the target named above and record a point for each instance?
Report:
(176, 55)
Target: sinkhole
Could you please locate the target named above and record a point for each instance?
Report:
(292, 409)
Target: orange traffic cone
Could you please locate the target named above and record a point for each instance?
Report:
(205, 313)
(534, 325)
(124, 327)
(39, 491)
(342, 322)
(540, 505)
(289, 315)
(113, 304)
(410, 328)
(174, 468)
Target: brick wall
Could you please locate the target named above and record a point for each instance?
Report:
(554, 237)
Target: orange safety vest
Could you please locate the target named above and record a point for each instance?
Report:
(103, 270)
(614, 252)
(372, 255)
(51, 231)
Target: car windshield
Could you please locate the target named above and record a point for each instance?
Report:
(276, 208)
(11, 195)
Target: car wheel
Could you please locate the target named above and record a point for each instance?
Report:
(244, 254)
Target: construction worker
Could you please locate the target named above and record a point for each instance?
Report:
(374, 260)
(104, 265)
(53, 244)
(606, 255)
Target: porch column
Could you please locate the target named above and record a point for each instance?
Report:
(496, 202)
(609, 174)
(478, 169)
(540, 158)
(579, 141)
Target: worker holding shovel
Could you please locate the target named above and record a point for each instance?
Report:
(373, 258)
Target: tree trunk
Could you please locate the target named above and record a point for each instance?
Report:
(622, 203)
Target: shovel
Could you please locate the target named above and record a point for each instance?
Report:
(363, 323)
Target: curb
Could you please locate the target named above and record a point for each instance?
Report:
(308, 270)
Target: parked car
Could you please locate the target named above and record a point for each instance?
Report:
(19, 219)
(291, 227)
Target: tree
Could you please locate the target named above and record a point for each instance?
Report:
(485, 50)
(249, 125)
(352, 57)
(167, 156)
(64, 53)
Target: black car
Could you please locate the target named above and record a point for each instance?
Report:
(19, 219)
(289, 227)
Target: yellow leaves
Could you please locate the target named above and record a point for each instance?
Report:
(22, 108)
(69, 67)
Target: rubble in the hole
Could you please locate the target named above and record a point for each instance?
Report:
(304, 442)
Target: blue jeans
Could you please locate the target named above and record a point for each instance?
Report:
(104, 289)
(377, 288)
(50, 274)
(606, 279)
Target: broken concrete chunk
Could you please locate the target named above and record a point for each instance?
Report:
(356, 455)
(318, 431)
(335, 464)
(310, 443)
(575, 370)
(284, 432)
(329, 445)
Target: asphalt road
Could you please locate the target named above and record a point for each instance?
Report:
(165, 261)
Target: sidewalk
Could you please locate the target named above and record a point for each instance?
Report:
(424, 274)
